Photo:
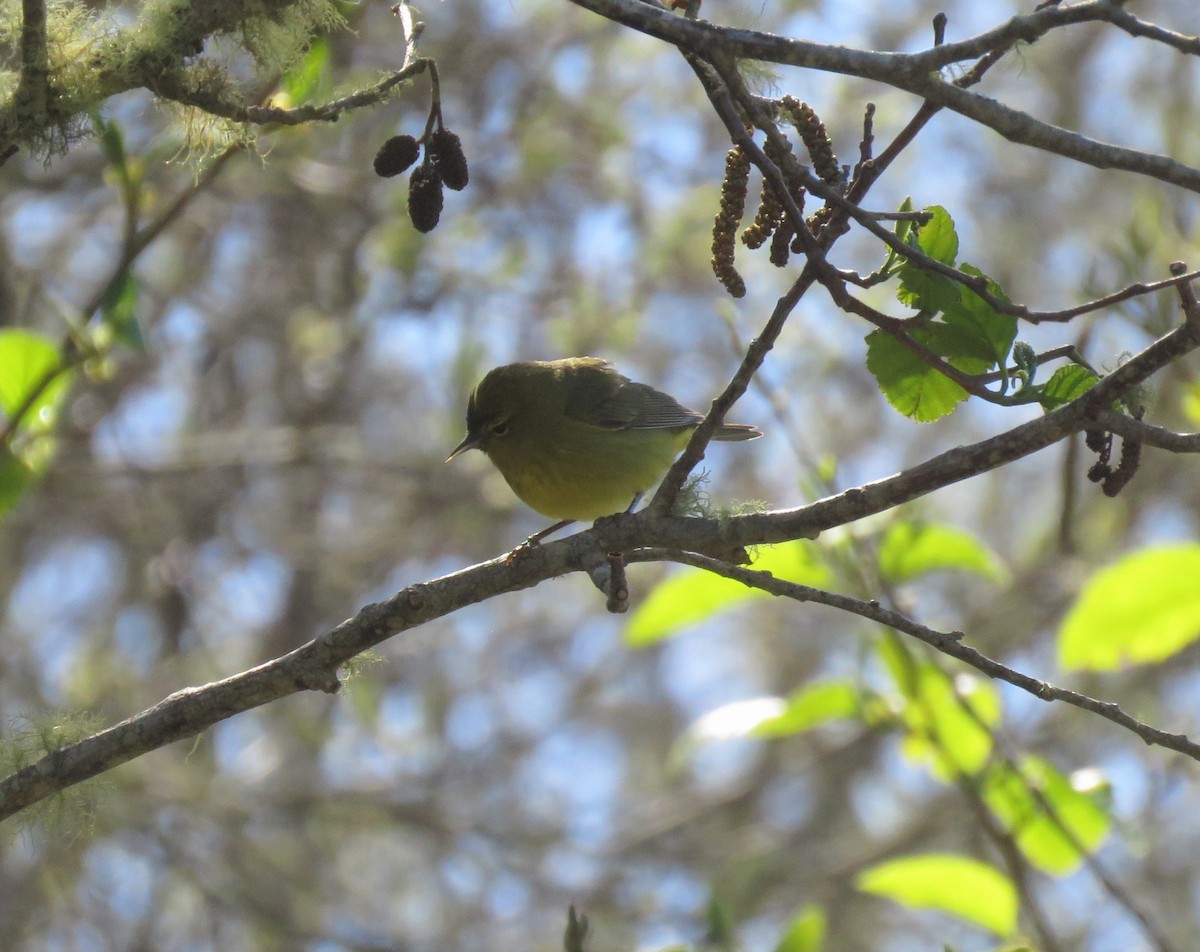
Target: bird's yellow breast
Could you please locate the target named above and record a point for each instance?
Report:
(583, 476)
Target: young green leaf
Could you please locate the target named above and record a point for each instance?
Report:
(691, 595)
(904, 227)
(1008, 794)
(112, 141)
(942, 733)
(15, 477)
(1067, 384)
(937, 237)
(925, 290)
(912, 549)
(973, 314)
(910, 385)
(965, 888)
(29, 368)
(119, 312)
(810, 706)
(940, 730)
(1140, 610)
(309, 78)
(805, 932)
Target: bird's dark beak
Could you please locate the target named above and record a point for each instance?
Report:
(470, 442)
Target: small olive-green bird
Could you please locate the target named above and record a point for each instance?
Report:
(575, 439)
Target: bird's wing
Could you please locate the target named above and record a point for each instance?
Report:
(607, 399)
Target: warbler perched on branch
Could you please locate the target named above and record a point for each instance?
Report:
(575, 439)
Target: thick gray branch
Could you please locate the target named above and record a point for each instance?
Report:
(314, 666)
(918, 73)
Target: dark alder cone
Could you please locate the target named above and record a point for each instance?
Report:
(1131, 457)
(1099, 441)
(446, 150)
(425, 198)
(396, 155)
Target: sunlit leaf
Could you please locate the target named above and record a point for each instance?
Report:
(27, 362)
(912, 549)
(910, 384)
(983, 320)
(1142, 609)
(965, 888)
(1191, 403)
(15, 477)
(948, 722)
(805, 931)
(119, 310)
(309, 78)
(1048, 842)
(692, 595)
(937, 237)
(947, 719)
(810, 706)
(904, 227)
(1067, 384)
(735, 720)
(926, 290)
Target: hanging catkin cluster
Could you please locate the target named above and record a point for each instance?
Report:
(733, 205)
(772, 224)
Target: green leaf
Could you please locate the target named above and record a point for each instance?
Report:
(798, 562)
(937, 238)
(927, 290)
(904, 227)
(736, 720)
(119, 312)
(720, 927)
(692, 595)
(912, 549)
(1067, 384)
(943, 734)
(15, 477)
(810, 706)
(1025, 358)
(1191, 402)
(805, 932)
(26, 361)
(1008, 794)
(112, 141)
(910, 385)
(965, 888)
(1142, 609)
(984, 322)
(309, 78)
(686, 598)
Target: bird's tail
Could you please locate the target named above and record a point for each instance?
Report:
(737, 431)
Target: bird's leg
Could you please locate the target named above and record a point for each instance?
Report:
(536, 539)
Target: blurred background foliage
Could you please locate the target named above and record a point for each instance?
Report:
(272, 461)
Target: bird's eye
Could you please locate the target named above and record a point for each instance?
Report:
(499, 428)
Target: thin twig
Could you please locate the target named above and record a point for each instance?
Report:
(949, 643)
(135, 243)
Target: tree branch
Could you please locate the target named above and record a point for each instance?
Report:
(917, 73)
(949, 643)
(314, 665)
